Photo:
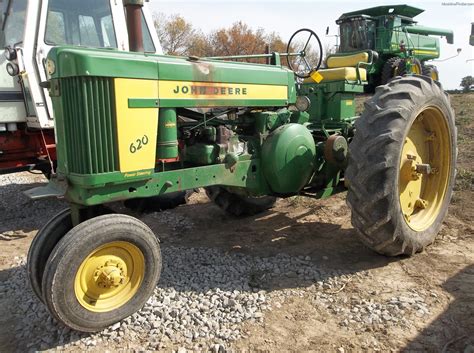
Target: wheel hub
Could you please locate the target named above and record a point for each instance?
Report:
(111, 274)
(109, 277)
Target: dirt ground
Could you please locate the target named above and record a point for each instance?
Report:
(322, 230)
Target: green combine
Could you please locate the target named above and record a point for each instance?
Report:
(398, 43)
(127, 126)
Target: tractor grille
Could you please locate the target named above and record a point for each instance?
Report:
(89, 126)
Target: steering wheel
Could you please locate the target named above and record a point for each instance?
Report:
(308, 59)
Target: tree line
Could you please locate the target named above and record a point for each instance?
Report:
(179, 37)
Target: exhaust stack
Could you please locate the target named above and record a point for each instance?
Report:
(134, 24)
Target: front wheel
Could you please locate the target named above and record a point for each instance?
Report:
(402, 166)
(42, 245)
(101, 271)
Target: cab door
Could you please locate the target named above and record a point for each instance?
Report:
(85, 23)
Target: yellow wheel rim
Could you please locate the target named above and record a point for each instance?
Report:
(434, 75)
(415, 69)
(110, 276)
(425, 169)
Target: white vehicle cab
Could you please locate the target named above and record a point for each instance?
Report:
(28, 30)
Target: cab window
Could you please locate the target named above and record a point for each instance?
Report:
(83, 23)
(12, 21)
(357, 35)
(148, 45)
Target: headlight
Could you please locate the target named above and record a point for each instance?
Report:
(302, 103)
(13, 69)
(50, 67)
(10, 53)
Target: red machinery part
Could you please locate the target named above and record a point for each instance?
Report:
(26, 149)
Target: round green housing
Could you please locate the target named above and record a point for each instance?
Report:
(167, 141)
(288, 157)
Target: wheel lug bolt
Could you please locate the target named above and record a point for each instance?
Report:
(420, 203)
(423, 168)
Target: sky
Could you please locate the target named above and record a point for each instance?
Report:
(285, 17)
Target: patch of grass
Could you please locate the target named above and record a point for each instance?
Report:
(464, 180)
(463, 119)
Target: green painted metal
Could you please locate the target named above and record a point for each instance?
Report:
(269, 121)
(201, 154)
(288, 158)
(74, 62)
(401, 10)
(167, 144)
(205, 103)
(383, 29)
(99, 189)
(332, 100)
(86, 140)
(299, 118)
(259, 152)
(143, 103)
(426, 31)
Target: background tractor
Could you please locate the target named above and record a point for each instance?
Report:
(127, 126)
(393, 39)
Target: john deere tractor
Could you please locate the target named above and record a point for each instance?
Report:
(397, 44)
(136, 124)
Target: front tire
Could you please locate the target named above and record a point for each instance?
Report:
(42, 246)
(101, 271)
(402, 166)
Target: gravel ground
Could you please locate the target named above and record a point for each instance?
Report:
(204, 296)
(208, 297)
(20, 214)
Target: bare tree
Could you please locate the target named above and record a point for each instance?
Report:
(179, 37)
(175, 33)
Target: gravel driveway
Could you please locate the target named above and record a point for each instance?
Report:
(293, 278)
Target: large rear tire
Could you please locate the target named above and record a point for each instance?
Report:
(402, 166)
(101, 271)
(239, 205)
(158, 203)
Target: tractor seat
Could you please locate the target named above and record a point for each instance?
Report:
(344, 67)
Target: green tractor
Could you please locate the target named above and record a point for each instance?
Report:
(127, 126)
(396, 44)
